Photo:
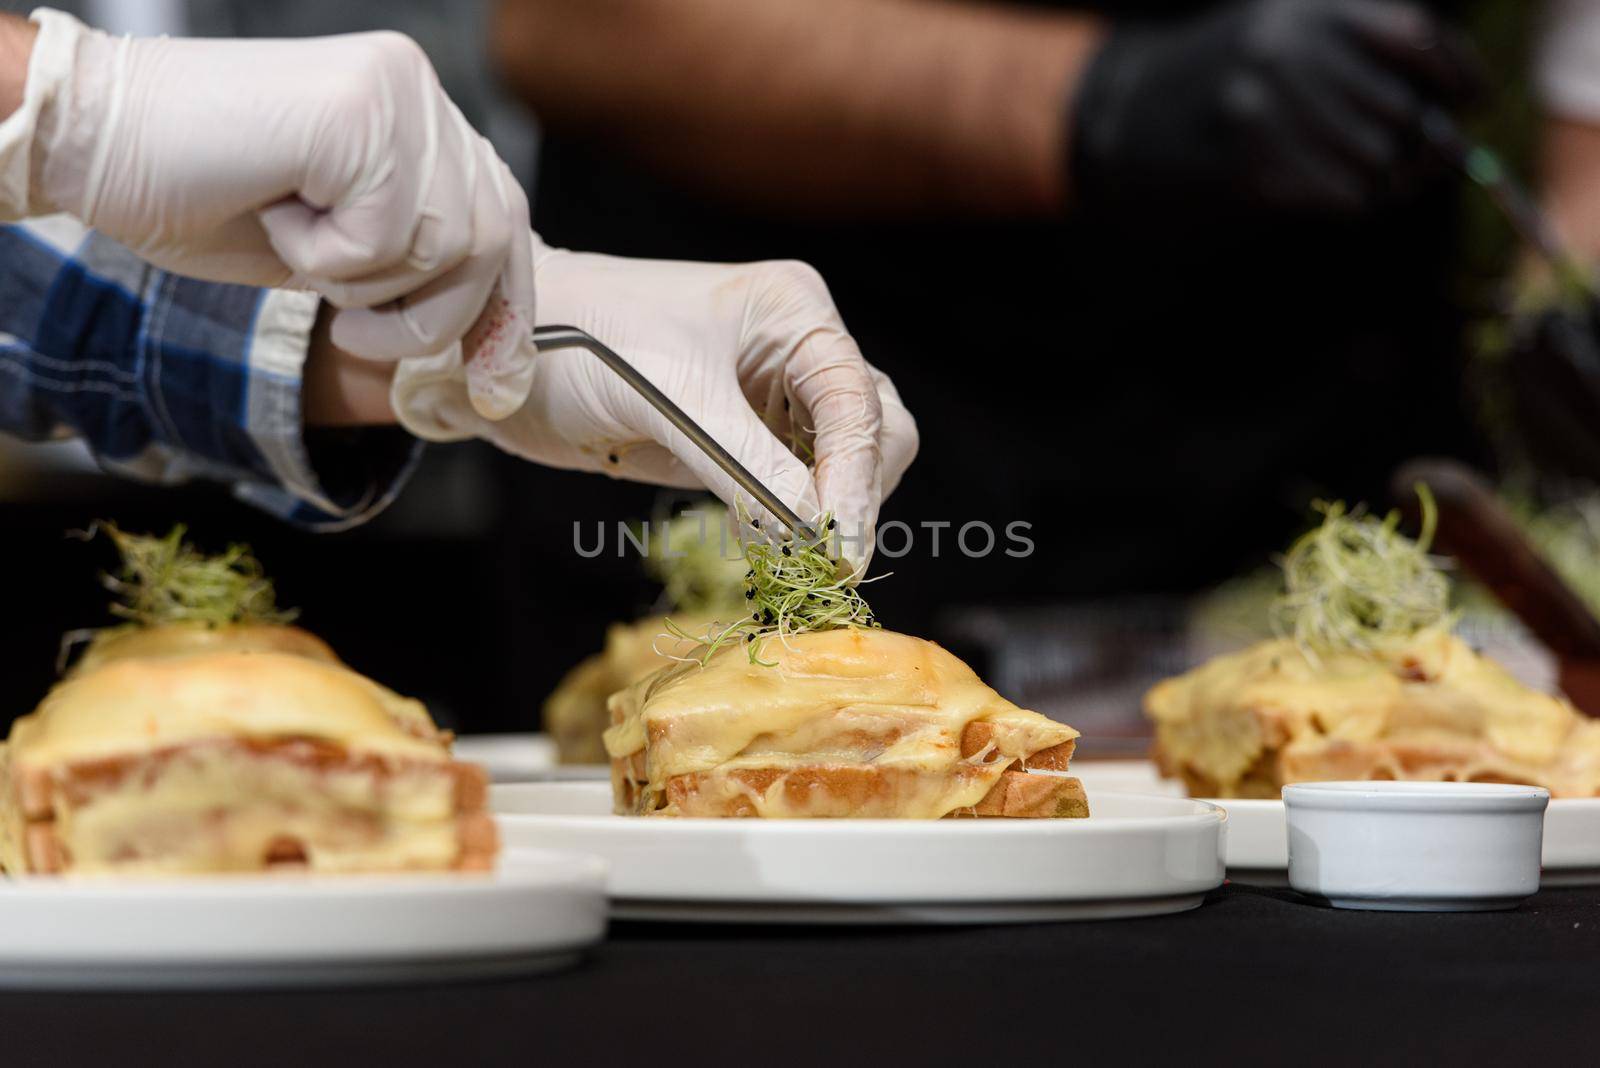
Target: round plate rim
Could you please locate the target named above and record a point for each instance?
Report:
(158, 950)
(792, 864)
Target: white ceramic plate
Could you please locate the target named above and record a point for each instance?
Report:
(1125, 776)
(573, 773)
(508, 757)
(538, 910)
(1258, 842)
(1258, 839)
(1135, 856)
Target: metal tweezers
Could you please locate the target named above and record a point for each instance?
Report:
(549, 338)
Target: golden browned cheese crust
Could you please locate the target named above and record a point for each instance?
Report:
(1244, 724)
(848, 723)
(234, 761)
(187, 639)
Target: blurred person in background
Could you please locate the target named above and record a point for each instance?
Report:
(167, 377)
(1153, 273)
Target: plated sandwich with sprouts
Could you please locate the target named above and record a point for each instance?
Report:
(1366, 680)
(207, 734)
(804, 707)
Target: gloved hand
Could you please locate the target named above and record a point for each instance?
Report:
(1286, 104)
(755, 353)
(336, 164)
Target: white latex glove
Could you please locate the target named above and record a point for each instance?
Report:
(755, 353)
(336, 164)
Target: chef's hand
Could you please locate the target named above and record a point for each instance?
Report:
(755, 353)
(1285, 104)
(336, 164)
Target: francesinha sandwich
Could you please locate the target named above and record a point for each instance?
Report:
(1366, 681)
(807, 709)
(209, 735)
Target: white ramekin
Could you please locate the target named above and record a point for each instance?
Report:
(1415, 846)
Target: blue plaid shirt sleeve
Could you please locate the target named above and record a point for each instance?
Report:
(167, 379)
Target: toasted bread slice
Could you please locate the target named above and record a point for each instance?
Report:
(847, 791)
(1024, 795)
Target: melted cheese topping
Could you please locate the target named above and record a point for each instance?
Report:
(136, 705)
(843, 697)
(1433, 690)
(187, 639)
(182, 639)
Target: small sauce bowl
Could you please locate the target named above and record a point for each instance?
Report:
(1415, 846)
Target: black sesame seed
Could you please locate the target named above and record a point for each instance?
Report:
(786, 551)
(756, 523)
(613, 457)
(749, 595)
(832, 524)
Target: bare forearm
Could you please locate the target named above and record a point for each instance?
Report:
(341, 389)
(827, 104)
(1571, 176)
(16, 44)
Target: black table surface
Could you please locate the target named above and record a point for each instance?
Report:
(1253, 976)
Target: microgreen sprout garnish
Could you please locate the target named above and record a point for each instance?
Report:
(1356, 584)
(791, 587)
(168, 580)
